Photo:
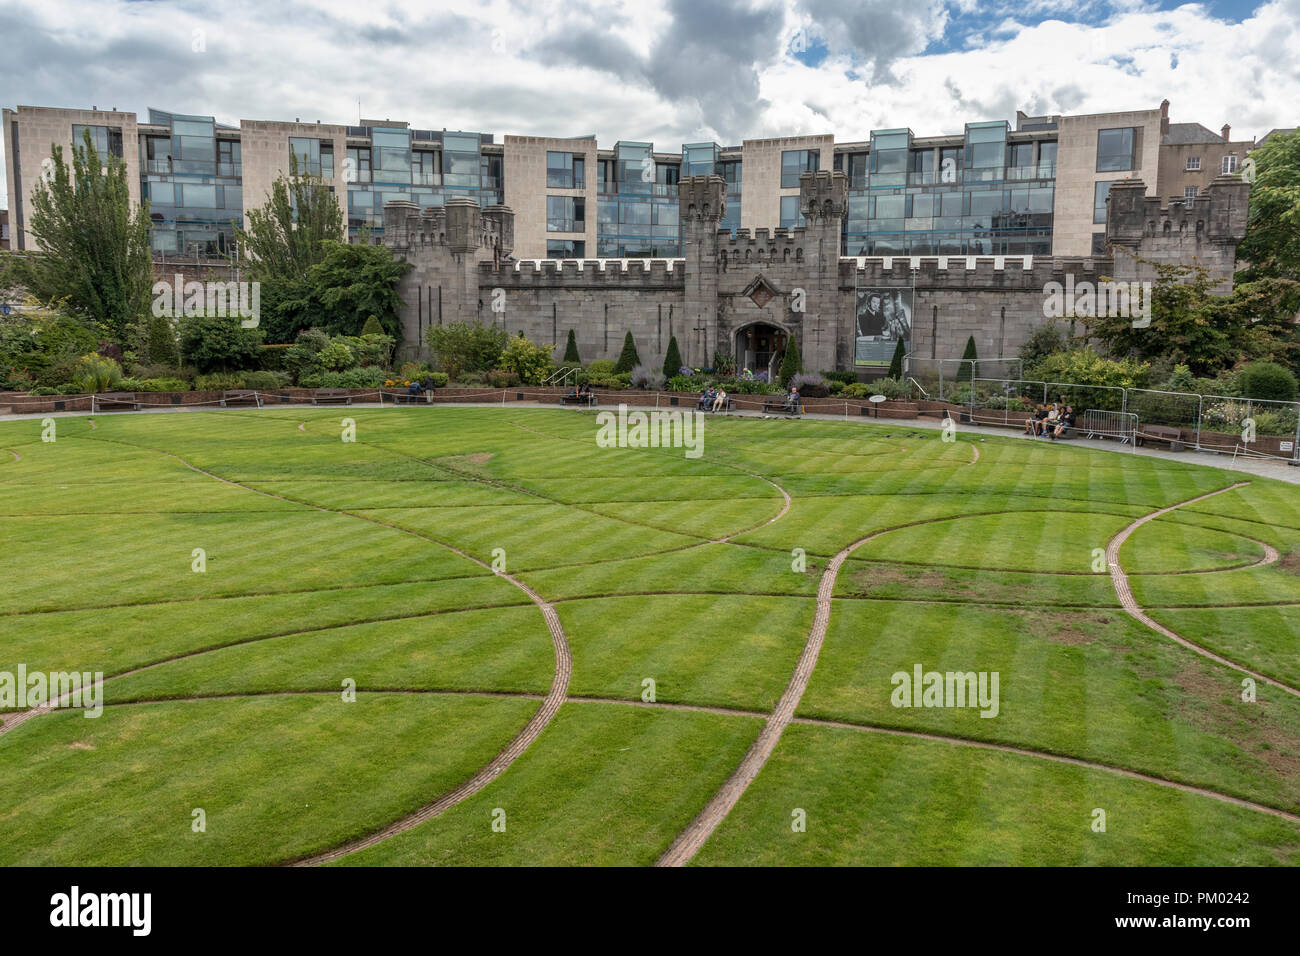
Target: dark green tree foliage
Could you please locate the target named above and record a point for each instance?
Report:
(1272, 243)
(94, 251)
(896, 363)
(627, 359)
(969, 369)
(285, 236)
(214, 343)
(466, 347)
(792, 364)
(161, 341)
(673, 360)
(373, 326)
(352, 283)
(571, 350)
(1268, 380)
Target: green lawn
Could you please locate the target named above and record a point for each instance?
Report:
(327, 563)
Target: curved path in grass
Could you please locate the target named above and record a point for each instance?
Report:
(1129, 603)
(690, 840)
(531, 731)
(759, 715)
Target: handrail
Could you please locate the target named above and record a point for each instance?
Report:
(919, 386)
(561, 375)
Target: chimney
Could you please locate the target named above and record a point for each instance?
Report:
(1225, 132)
(1164, 117)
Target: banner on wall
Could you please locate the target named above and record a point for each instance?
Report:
(884, 316)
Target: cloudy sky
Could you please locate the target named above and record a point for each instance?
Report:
(672, 72)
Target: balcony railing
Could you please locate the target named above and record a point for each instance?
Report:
(1022, 173)
(159, 167)
(230, 169)
(425, 178)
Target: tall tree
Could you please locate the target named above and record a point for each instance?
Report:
(94, 249)
(1272, 243)
(285, 236)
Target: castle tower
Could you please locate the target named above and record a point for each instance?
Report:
(1205, 230)
(702, 206)
(825, 327)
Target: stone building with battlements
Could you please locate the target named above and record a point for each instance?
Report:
(749, 292)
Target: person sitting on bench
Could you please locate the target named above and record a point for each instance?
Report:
(792, 399)
(415, 388)
(1035, 422)
(720, 400)
(1065, 423)
(586, 394)
(1048, 424)
(706, 398)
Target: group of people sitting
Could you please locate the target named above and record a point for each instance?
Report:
(1051, 421)
(584, 395)
(712, 399)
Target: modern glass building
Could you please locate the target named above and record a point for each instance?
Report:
(990, 190)
(427, 167)
(982, 194)
(191, 173)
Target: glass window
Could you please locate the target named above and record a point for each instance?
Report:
(1040, 199)
(1229, 165)
(1100, 193)
(566, 249)
(790, 216)
(890, 207)
(1020, 154)
(1193, 163)
(795, 162)
(201, 197)
(636, 213)
(559, 170)
(162, 194)
(234, 197)
(986, 203)
(1115, 149)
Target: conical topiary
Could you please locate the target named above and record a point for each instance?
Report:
(673, 360)
(627, 359)
(373, 326)
(896, 364)
(969, 367)
(571, 350)
(791, 365)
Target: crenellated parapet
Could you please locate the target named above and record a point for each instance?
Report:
(641, 274)
(967, 272)
(702, 198)
(824, 197)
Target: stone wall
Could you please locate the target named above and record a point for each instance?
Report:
(787, 283)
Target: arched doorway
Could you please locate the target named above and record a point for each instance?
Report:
(759, 347)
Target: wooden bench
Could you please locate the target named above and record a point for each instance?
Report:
(117, 400)
(332, 396)
(727, 406)
(410, 398)
(773, 406)
(574, 399)
(1161, 433)
(240, 396)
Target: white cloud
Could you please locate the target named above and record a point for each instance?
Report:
(671, 72)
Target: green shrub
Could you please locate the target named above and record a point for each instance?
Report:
(601, 367)
(835, 387)
(673, 358)
(502, 378)
(219, 344)
(266, 381)
(336, 356)
(529, 362)
(571, 350)
(858, 390)
(791, 364)
(435, 379)
(1267, 381)
(163, 385)
(97, 373)
(44, 391)
(218, 381)
(844, 378)
(891, 388)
